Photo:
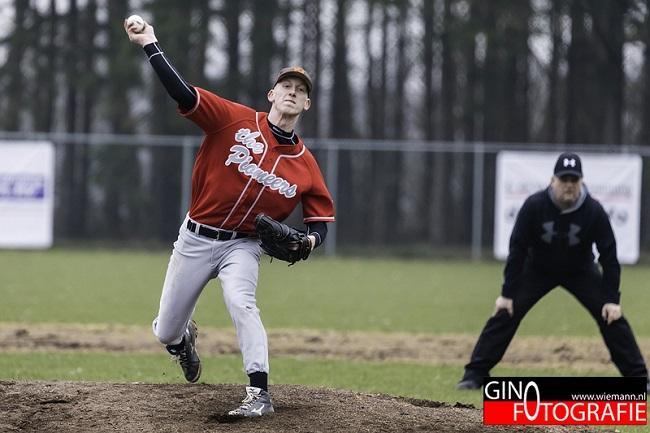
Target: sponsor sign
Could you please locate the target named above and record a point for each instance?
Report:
(614, 180)
(26, 194)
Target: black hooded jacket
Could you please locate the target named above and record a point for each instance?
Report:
(560, 243)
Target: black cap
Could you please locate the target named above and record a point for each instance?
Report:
(294, 71)
(568, 163)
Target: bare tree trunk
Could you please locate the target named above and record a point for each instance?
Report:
(371, 75)
(645, 131)
(439, 170)
(402, 71)
(311, 58)
(454, 218)
(264, 48)
(469, 122)
(232, 11)
(552, 113)
(448, 86)
(89, 88)
(372, 123)
(516, 83)
(382, 164)
(12, 70)
(283, 49)
(579, 127)
(341, 115)
(201, 16)
(428, 206)
(70, 164)
(42, 97)
(428, 15)
(118, 171)
(51, 66)
(341, 98)
(493, 107)
(610, 37)
(71, 66)
(404, 166)
(470, 106)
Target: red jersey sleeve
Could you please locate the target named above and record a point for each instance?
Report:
(317, 203)
(212, 112)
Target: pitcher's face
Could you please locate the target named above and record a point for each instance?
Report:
(290, 96)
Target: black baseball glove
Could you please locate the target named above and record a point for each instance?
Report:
(282, 241)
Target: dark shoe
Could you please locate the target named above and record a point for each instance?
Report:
(468, 384)
(257, 403)
(185, 353)
(647, 386)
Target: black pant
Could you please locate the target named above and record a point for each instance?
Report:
(587, 288)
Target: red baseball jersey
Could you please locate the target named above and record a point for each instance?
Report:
(241, 170)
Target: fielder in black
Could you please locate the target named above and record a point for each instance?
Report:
(551, 245)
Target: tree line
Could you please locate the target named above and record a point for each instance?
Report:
(551, 71)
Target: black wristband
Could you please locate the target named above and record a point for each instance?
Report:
(319, 230)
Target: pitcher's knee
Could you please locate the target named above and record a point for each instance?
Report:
(169, 338)
(240, 302)
(243, 308)
(241, 312)
(166, 336)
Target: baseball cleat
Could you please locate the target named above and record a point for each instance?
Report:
(257, 403)
(185, 353)
(468, 384)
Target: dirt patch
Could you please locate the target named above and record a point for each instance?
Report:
(110, 407)
(136, 407)
(529, 352)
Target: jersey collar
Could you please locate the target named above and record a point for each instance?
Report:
(271, 140)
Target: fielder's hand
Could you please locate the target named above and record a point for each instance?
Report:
(611, 312)
(145, 37)
(503, 303)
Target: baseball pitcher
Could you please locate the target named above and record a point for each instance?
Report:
(250, 172)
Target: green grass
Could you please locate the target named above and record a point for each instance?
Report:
(94, 286)
(433, 382)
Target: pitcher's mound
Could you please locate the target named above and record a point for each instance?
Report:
(128, 407)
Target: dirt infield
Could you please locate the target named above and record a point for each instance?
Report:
(109, 407)
(526, 352)
(137, 407)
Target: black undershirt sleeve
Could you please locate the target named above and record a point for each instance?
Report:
(319, 230)
(184, 94)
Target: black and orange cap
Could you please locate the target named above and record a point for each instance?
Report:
(294, 71)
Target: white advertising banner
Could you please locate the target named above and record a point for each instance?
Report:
(614, 180)
(26, 194)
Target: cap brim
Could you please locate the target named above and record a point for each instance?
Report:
(295, 75)
(568, 172)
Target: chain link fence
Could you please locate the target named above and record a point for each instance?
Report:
(412, 198)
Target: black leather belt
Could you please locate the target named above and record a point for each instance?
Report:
(220, 235)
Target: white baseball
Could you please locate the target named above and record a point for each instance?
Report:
(135, 23)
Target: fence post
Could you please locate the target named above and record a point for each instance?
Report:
(477, 201)
(186, 176)
(332, 176)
